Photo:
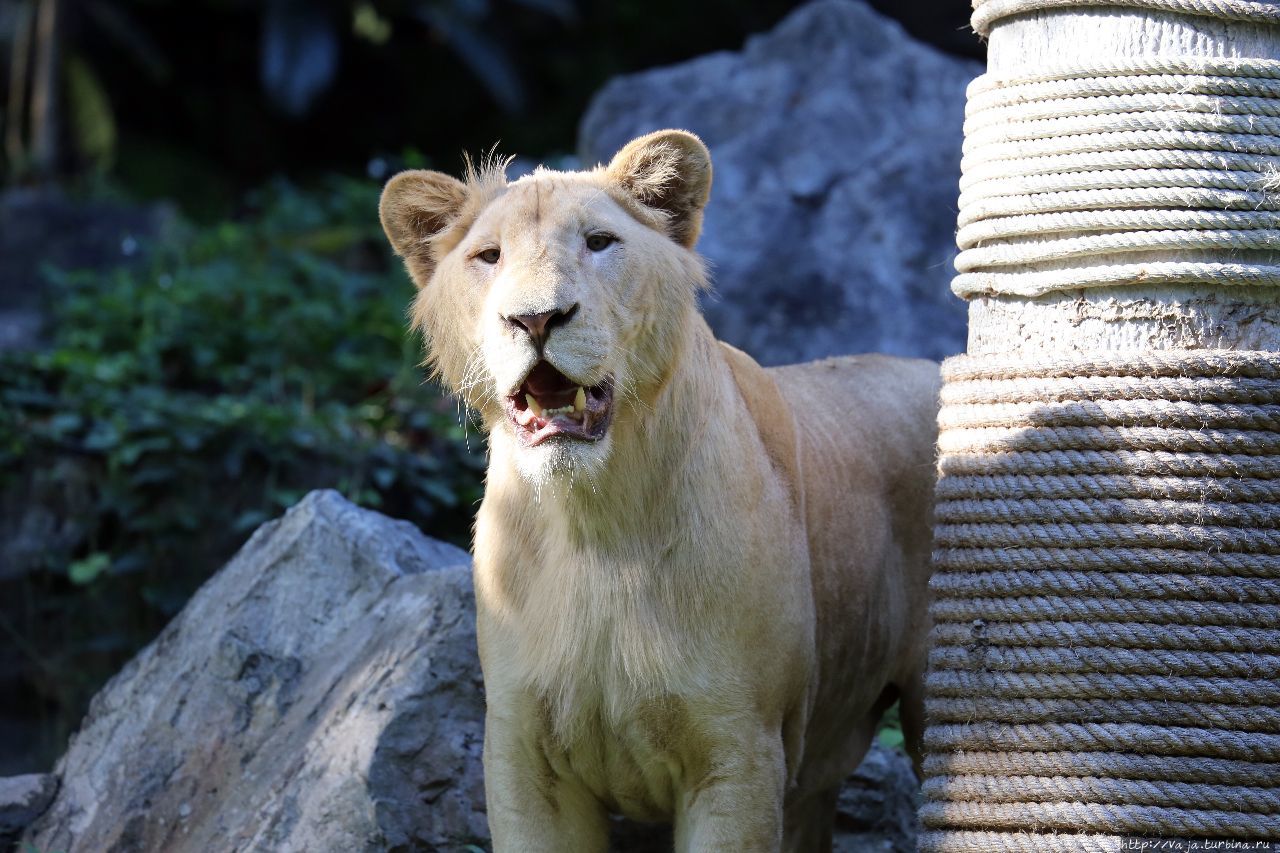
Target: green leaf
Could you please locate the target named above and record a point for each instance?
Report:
(891, 737)
(65, 422)
(249, 520)
(129, 563)
(103, 436)
(131, 452)
(440, 490)
(86, 570)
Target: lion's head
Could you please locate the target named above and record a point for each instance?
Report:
(553, 305)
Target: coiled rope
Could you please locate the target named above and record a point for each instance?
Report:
(987, 12)
(1092, 176)
(1105, 658)
(1105, 661)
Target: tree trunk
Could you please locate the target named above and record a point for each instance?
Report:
(45, 97)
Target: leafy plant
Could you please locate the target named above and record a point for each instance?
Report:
(265, 351)
(890, 731)
(188, 399)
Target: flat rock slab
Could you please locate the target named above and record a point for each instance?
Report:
(322, 693)
(836, 142)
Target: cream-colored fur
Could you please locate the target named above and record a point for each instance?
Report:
(700, 616)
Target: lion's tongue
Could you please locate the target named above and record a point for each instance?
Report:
(551, 388)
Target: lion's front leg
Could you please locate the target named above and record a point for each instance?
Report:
(738, 804)
(531, 808)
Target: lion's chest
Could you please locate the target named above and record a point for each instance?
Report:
(632, 669)
(637, 763)
(600, 652)
(600, 632)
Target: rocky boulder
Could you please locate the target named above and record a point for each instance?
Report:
(322, 693)
(836, 141)
(22, 800)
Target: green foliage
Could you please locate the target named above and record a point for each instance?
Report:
(890, 732)
(243, 364)
(891, 736)
(203, 390)
(85, 570)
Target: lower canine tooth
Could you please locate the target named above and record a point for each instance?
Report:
(580, 400)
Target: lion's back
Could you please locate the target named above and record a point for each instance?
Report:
(866, 435)
(865, 404)
(866, 429)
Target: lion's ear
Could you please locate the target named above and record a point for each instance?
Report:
(415, 206)
(669, 170)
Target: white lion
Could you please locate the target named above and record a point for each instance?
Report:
(699, 583)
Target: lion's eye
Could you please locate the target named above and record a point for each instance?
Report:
(600, 242)
(490, 256)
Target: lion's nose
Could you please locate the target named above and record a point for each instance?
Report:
(539, 326)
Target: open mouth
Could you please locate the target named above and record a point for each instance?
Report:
(548, 403)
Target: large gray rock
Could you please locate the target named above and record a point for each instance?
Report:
(22, 800)
(322, 693)
(876, 812)
(836, 140)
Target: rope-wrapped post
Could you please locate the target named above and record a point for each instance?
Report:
(1105, 658)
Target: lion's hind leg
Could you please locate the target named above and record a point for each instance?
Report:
(809, 823)
(911, 716)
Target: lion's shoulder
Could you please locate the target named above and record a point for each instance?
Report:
(769, 409)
